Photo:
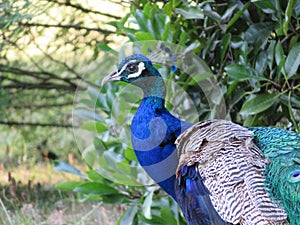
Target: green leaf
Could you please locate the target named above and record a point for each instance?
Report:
(292, 61)
(235, 97)
(94, 126)
(293, 100)
(119, 171)
(124, 168)
(99, 145)
(129, 154)
(68, 185)
(147, 205)
(143, 36)
(257, 104)
(94, 176)
(182, 38)
(196, 44)
(113, 198)
(190, 12)
(287, 16)
(261, 62)
(266, 6)
(225, 43)
(212, 14)
(237, 16)
(157, 220)
(104, 47)
(196, 78)
(228, 12)
(279, 56)
(216, 96)
(168, 8)
(167, 34)
(95, 188)
(297, 9)
(91, 197)
(242, 72)
(141, 20)
(147, 9)
(257, 33)
(87, 114)
(89, 155)
(168, 216)
(271, 53)
(251, 121)
(294, 39)
(62, 166)
(128, 216)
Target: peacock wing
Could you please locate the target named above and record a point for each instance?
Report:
(231, 169)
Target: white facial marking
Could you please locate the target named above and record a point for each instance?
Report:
(141, 67)
(124, 67)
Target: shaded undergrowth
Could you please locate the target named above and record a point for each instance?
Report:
(28, 196)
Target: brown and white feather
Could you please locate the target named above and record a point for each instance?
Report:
(232, 168)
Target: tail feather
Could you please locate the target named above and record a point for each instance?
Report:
(283, 181)
(282, 148)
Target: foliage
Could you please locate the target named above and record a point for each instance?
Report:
(46, 50)
(28, 197)
(251, 47)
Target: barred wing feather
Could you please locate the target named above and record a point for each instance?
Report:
(232, 169)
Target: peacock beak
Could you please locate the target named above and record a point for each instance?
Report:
(115, 75)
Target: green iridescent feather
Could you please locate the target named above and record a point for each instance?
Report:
(282, 147)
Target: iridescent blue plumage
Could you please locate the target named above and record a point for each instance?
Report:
(154, 131)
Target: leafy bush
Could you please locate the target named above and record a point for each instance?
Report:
(253, 50)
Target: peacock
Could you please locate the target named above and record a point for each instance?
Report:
(217, 171)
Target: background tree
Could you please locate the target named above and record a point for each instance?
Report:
(47, 51)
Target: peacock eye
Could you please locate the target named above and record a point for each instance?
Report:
(132, 68)
(295, 176)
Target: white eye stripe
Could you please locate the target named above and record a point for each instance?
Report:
(125, 66)
(141, 67)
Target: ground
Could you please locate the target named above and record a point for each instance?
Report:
(38, 202)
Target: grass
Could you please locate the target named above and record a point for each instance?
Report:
(28, 197)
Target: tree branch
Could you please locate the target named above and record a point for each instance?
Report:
(43, 86)
(43, 76)
(76, 27)
(81, 8)
(36, 74)
(41, 106)
(15, 123)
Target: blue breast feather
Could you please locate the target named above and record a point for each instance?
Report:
(153, 133)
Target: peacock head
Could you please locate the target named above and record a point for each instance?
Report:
(138, 70)
(131, 69)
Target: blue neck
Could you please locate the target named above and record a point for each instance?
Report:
(153, 133)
